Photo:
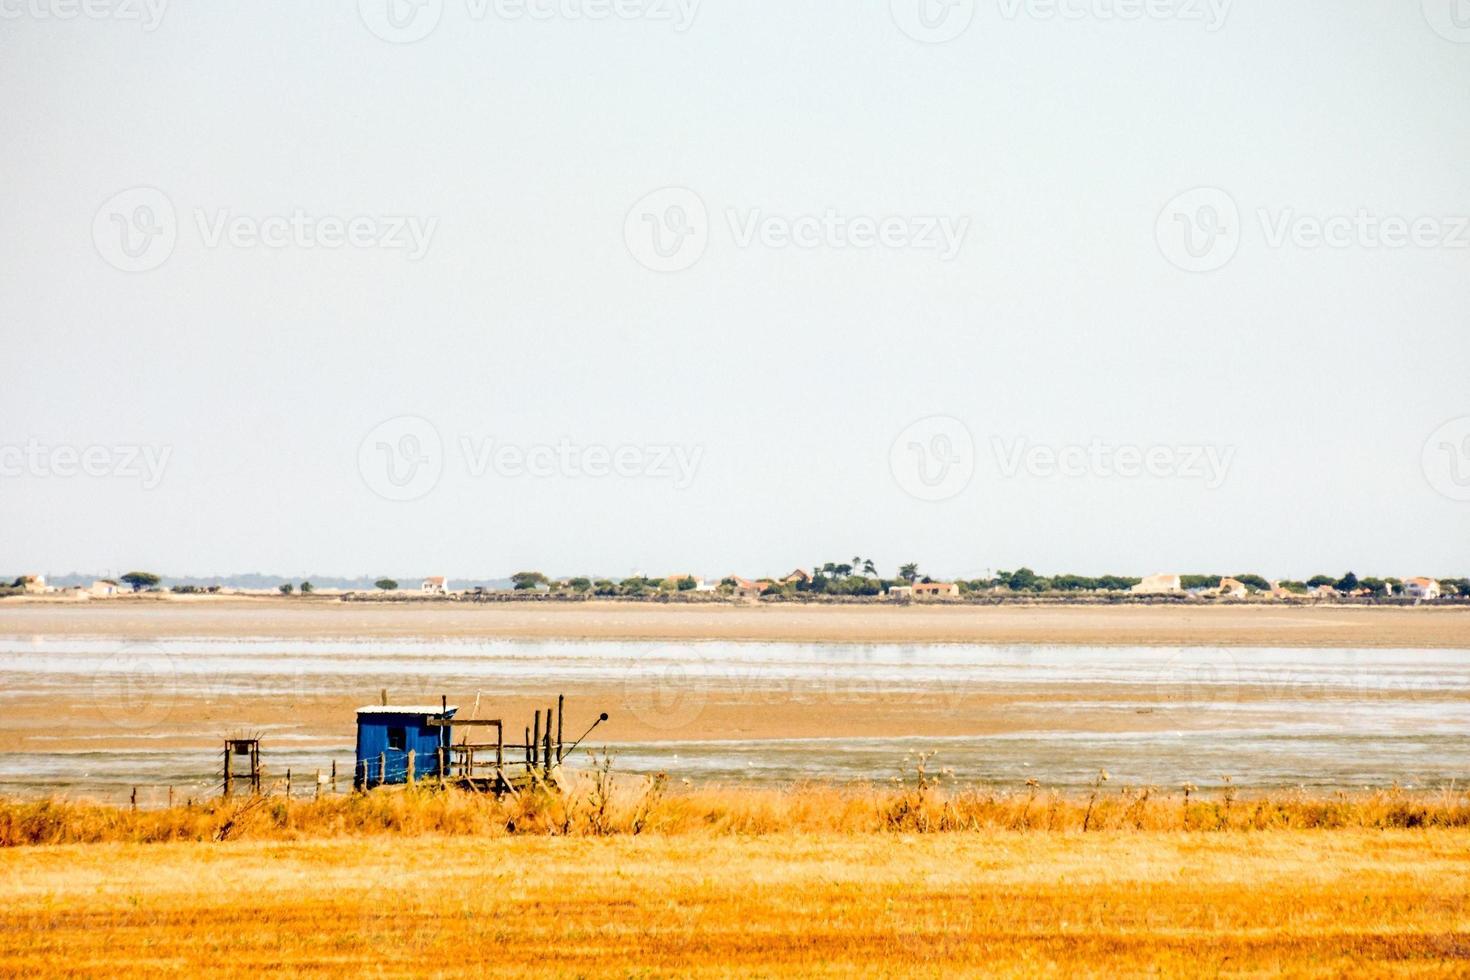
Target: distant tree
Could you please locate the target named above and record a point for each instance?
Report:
(687, 584)
(287, 588)
(1317, 580)
(869, 569)
(1347, 583)
(635, 585)
(909, 572)
(1022, 580)
(140, 580)
(386, 584)
(1253, 581)
(579, 584)
(524, 581)
(307, 588)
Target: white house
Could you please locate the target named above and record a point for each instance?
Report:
(1158, 584)
(1422, 588)
(33, 584)
(103, 589)
(435, 585)
(900, 592)
(935, 590)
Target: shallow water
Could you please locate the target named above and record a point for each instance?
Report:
(1321, 719)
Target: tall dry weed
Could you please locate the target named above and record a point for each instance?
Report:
(600, 802)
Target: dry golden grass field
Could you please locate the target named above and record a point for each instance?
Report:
(815, 881)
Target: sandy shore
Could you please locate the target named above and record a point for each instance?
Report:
(1161, 625)
(158, 709)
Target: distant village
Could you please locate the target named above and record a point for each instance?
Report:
(857, 580)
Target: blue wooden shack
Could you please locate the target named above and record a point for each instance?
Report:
(387, 733)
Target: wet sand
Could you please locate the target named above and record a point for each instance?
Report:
(1143, 625)
(166, 694)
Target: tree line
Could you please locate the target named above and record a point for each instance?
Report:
(860, 577)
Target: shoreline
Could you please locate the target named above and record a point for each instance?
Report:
(1173, 624)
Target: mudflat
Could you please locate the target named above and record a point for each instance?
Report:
(1122, 625)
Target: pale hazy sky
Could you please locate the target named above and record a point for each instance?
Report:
(576, 234)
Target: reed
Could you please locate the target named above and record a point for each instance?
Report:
(604, 804)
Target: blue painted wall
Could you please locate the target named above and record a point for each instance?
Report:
(373, 745)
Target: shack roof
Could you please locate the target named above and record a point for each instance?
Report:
(407, 709)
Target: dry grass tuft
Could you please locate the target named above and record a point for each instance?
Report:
(600, 804)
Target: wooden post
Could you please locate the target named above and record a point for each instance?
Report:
(382, 768)
(134, 799)
(383, 693)
(170, 797)
(561, 708)
(528, 750)
(441, 766)
(546, 746)
(228, 781)
(536, 739)
(288, 784)
(410, 767)
(318, 794)
(334, 775)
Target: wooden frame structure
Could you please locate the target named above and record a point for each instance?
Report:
(249, 750)
(484, 764)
